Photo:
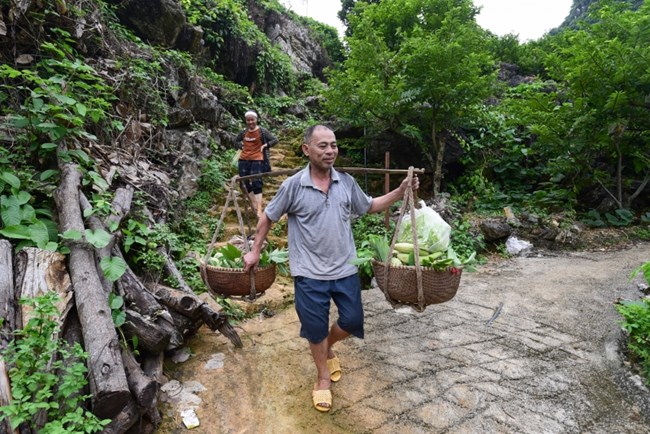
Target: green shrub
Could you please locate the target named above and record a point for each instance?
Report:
(636, 322)
(364, 229)
(47, 376)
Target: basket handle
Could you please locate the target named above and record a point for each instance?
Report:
(232, 195)
(253, 293)
(208, 253)
(408, 201)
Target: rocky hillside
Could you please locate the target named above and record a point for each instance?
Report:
(172, 90)
(579, 10)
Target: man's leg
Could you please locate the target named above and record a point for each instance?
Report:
(319, 353)
(312, 302)
(259, 204)
(336, 334)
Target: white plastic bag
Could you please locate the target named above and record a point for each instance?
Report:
(432, 231)
(514, 245)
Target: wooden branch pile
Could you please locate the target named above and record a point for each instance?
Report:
(124, 386)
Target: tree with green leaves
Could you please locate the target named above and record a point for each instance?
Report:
(415, 67)
(347, 8)
(604, 69)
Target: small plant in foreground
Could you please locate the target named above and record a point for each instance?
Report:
(636, 322)
(47, 376)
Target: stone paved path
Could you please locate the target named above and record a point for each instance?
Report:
(548, 363)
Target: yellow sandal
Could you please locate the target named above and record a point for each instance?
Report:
(320, 397)
(334, 366)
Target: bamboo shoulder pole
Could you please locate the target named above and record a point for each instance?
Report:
(238, 178)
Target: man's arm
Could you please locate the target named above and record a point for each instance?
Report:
(382, 203)
(252, 258)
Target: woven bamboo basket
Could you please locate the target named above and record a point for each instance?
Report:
(414, 285)
(437, 286)
(234, 281)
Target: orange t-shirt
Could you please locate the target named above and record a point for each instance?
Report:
(252, 149)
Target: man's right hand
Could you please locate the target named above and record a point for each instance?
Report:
(251, 259)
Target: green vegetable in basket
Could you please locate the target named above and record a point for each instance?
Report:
(279, 257)
(230, 256)
(227, 256)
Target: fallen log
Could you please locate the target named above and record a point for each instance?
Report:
(119, 208)
(124, 420)
(186, 326)
(171, 268)
(150, 335)
(143, 388)
(152, 365)
(108, 385)
(39, 272)
(138, 297)
(193, 307)
(8, 307)
(180, 301)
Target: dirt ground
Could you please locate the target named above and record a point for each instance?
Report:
(528, 345)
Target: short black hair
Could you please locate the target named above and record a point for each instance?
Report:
(310, 131)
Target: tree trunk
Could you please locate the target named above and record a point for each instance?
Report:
(639, 190)
(39, 272)
(143, 388)
(136, 294)
(124, 420)
(106, 371)
(8, 309)
(439, 149)
(119, 208)
(619, 172)
(171, 268)
(193, 307)
(150, 335)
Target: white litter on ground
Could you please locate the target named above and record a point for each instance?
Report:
(405, 310)
(215, 362)
(190, 419)
(514, 245)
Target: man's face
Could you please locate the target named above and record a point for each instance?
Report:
(251, 122)
(321, 149)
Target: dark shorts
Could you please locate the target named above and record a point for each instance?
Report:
(251, 167)
(313, 306)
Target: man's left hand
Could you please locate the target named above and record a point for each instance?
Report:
(415, 184)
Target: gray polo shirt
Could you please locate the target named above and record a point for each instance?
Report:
(320, 236)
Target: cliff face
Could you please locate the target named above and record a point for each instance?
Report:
(307, 54)
(163, 22)
(580, 8)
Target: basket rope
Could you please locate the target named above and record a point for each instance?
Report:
(408, 201)
(232, 195)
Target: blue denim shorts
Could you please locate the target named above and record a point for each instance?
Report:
(251, 167)
(313, 306)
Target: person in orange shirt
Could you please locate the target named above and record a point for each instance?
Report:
(254, 142)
